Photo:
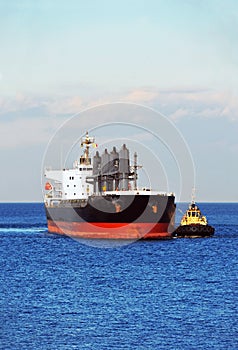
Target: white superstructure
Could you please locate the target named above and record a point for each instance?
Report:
(70, 184)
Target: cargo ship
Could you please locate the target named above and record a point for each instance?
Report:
(99, 198)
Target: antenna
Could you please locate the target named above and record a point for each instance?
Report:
(193, 195)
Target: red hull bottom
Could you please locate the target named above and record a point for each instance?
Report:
(130, 231)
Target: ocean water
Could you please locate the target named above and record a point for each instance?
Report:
(58, 293)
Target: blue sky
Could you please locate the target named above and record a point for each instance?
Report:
(178, 57)
(117, 44)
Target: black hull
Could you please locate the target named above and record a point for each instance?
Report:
(193, 231)
(114, 216)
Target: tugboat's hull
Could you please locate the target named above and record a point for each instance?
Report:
(129, 217)
(193, 231)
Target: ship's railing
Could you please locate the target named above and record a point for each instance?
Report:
(136, 192)
(55, 202)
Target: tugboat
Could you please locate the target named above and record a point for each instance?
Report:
(193, 224)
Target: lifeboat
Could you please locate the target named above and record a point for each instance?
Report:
(48, 186)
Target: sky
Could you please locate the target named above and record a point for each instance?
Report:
(178, 57)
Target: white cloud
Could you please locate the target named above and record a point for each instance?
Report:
(68, 105)
(17, 103)
(28, 126)
(26, 132)
(140, 96)
(195, 103)
(176, 104)
(179, 113)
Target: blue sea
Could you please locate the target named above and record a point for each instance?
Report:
(59, 293)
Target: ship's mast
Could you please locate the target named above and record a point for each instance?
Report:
(134, 168)
(86, 141)
(135, 171)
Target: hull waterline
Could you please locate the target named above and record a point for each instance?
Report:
(140, 217)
